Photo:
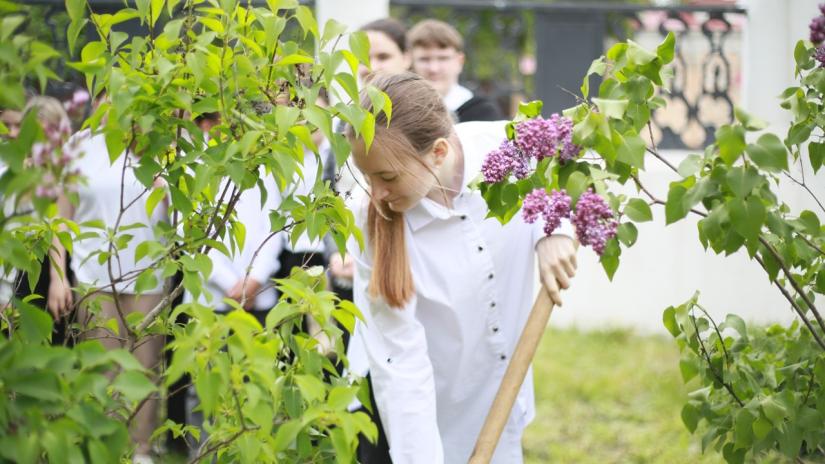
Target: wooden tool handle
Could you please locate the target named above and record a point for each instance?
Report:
(513, 378)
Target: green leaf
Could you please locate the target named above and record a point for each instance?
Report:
(180, 201)
(761, 428)
(368, 130)
(810, 221)
(799, 133)
(146, 281)
(332, 29)
(733, 455)
(742, 181)
(627, 233)
(40, 385)
(690, 165)
(630, 149)
(674, 207)
(769, 153)
(816, 151)
(305, 136)
(750, 122)
(35, 324)
(802, 56)
(156, 10)
(380, 102)
(530, 109)
(286, 434)
(637, 55)
(307, 20)
(665, 50)
(295, 59)
(731, 143)
(347, 81)
(690, 417)
(208, 386)
(340, 397)
(773, 410)
(133, 385)
(576, 184)
(738, 324)
(669, 321)
(688, 369)
(360, 46)
(124, 359)
(747, 217)
(311, 388)
(611, 108)
(638, 210)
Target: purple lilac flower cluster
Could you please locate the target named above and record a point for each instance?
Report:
(551, 207)
(592, 218)
(817, 27)
(501, 162)
(54, 155)
(542, 138)
(537, 138)
(820, 55)
(594, 221)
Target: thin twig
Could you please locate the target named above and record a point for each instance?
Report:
(716, 375)
(793, 282)
(805, 186)
(255, 256)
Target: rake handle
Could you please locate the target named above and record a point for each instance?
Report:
(513, 379)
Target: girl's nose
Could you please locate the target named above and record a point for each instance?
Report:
(379, 191)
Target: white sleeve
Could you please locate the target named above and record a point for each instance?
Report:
(402, 375)
(537, 229)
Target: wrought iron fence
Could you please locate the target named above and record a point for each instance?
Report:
(521, 50)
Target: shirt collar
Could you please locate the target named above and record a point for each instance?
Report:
(457, 96)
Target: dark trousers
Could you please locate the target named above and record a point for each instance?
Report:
(61, 334)
(378, 452)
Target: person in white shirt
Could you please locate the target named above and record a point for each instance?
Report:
(103, 198)
(444, 290)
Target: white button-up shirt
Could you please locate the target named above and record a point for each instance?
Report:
(437, 363)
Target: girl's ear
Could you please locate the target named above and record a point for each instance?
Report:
(441, 148)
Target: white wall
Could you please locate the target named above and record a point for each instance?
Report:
(353, 13)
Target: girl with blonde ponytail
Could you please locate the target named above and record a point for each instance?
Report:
(444, 290)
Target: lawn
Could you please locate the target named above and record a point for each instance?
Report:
(610, 397)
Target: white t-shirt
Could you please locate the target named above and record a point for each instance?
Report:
(100, 200)
(436, 364)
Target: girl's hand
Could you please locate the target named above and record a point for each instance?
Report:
(557, 264)
(343, 268)
(237, 292)
(60, 298)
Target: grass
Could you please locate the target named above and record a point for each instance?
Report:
(610, 397)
